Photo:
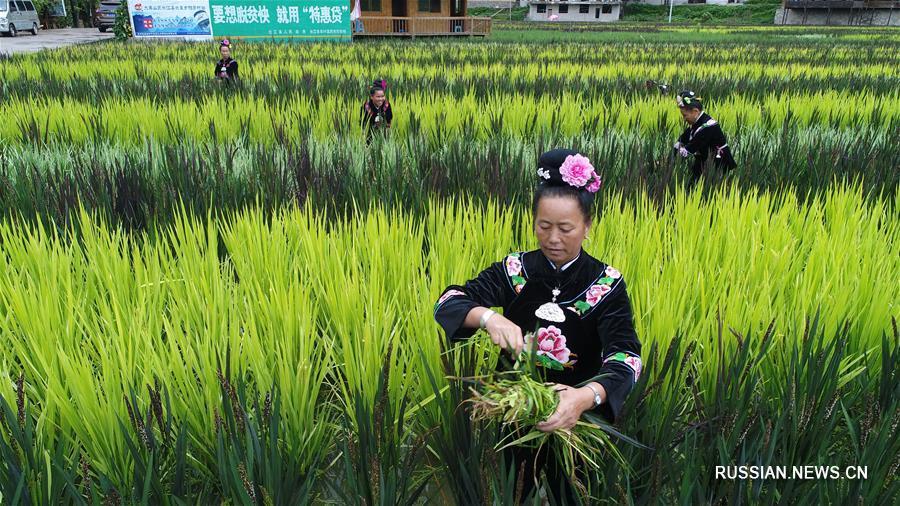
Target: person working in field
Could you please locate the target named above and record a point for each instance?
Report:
(376, 112)
(227, 67)
(576, 305)
(703, 138)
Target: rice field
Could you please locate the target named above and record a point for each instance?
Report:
(799, 111)
(220, 295)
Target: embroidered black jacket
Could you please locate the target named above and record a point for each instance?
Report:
(596, 342)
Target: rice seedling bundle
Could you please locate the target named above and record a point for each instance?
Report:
(517, 401)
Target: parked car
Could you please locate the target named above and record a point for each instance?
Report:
(18, 16)
(105, 15)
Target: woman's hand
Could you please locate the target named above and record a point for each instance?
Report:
(572, 403)
(505, 333)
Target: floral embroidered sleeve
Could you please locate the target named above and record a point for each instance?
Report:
(490, 289)
(621, 353)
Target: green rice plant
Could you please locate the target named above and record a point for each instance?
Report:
(380, 453)
(256, 462)
(159, 455)
(26, 464)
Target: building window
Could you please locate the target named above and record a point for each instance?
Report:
(584, 9)
(563, 9)
(429, 5)
(607, 9)
(541, 8)
(370, 5)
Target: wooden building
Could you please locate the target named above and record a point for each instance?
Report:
(417, 18)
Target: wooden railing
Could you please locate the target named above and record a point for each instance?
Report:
(421, 26)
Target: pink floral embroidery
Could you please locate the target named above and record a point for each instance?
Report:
(576, 170)
(551, 343)
(612, 272)
(632, 361)
(448, 294)
(595, 293)
(635, 363)
(513, 266)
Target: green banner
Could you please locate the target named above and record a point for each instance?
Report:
(281, 19)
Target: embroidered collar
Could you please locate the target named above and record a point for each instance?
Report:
(700, 120)
(708, 123)
(566, 265)
(518, 275)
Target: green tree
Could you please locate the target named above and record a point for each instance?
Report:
(122, 28)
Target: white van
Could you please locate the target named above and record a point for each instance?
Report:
(18, 16)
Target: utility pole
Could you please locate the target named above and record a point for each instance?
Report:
(671, 4)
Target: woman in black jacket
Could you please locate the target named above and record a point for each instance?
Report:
(377, 113)
(226, 68)
(576, 304)
(703, 138)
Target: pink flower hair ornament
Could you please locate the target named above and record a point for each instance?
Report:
(567, 167)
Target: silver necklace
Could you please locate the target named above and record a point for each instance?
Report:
(551, 311)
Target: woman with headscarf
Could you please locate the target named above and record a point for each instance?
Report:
(226, 68)
(578, 305)
(377, 114)
(702, 138)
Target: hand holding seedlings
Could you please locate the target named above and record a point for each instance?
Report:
(572, 403)
(505, 333)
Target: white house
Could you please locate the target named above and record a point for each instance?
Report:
(574, 10)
